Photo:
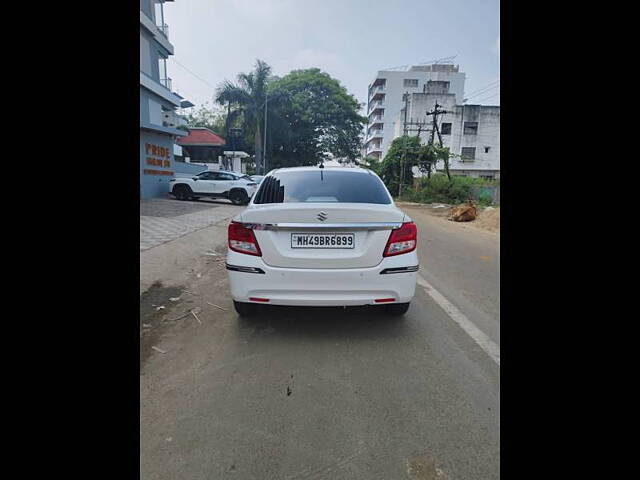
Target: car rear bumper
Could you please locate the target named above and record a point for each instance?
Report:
(250, 277)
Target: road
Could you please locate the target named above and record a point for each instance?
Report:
(325, 393)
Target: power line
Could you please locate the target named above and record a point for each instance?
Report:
(482, 88)
(192, 73)
(481, 91)
(487, 98)
(484, 91)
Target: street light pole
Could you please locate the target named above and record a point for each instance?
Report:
(264, 140)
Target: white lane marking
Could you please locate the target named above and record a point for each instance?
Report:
(488, 345)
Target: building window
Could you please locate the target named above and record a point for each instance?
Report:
(145, 56)
(470, 128)
(446, 129)
(486, 177)
(410, 82)
(486, 149)
(468, 154)
(155, 112)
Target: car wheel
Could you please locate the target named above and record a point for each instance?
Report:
(239, 197)
(397, 309)
(182, 192)
(245, 309)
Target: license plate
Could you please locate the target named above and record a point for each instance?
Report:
(323, 240)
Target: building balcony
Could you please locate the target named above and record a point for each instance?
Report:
(160, 34)
(378, 92)
(376, 119)
(164, 30)
(375, 134)
(374, 150)
(166, 83)
(160, 89)
(375, 105)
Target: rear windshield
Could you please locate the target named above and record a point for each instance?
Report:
(320, 186)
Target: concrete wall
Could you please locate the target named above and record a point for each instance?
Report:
(154, 179)
(182, 169)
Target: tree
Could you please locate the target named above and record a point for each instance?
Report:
(316, 118)
(248, 97)
(213, 118)
(404, 151)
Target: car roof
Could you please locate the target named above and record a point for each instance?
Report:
(316, 168)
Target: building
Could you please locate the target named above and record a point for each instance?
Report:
(205, 148)
(158, 103)
(470, 131)
(385, 99)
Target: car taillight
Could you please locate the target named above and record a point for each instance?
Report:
(402, 240)
(243, 240)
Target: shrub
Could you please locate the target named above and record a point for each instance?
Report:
(438, 189)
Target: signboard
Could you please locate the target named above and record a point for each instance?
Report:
(157, 156)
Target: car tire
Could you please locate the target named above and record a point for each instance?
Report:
(245, 309)
(397, 309)
(239, 197)
(182, 192)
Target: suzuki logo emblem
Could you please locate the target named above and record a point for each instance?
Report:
(322, 216)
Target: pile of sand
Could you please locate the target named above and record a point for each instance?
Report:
(488, 219)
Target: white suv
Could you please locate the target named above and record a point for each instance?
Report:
(322, 237)
(215, 184)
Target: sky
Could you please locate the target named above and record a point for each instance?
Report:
(351, 40)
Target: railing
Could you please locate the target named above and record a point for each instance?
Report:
(166, 82)
(376, 118)
(376, 104)
(164, 29)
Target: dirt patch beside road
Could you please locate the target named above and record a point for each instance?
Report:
(488, 219)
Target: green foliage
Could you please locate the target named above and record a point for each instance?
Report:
(372, 164)
(439, 189)
(246, 98)
(213, 118)
(317, 118)
(310, 116)
(485, 199)
(403, 151)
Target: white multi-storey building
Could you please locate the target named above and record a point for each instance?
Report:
(385, 99)
(472, 132)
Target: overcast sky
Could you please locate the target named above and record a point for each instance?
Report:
(349, 39)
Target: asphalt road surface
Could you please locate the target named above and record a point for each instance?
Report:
(327, 393)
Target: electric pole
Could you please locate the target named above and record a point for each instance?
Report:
(264, 144)
(435, 112)
(404, 134)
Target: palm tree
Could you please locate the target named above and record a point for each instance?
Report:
(249, 96)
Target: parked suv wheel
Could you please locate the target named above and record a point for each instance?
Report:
(239, 197)
(182, 192)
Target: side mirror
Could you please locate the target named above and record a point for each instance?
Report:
(195, 179)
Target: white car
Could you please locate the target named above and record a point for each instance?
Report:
(214, 184)
(322, 237)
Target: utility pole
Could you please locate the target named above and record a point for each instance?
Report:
(404, 134)
(264, 141)
(435, 112)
